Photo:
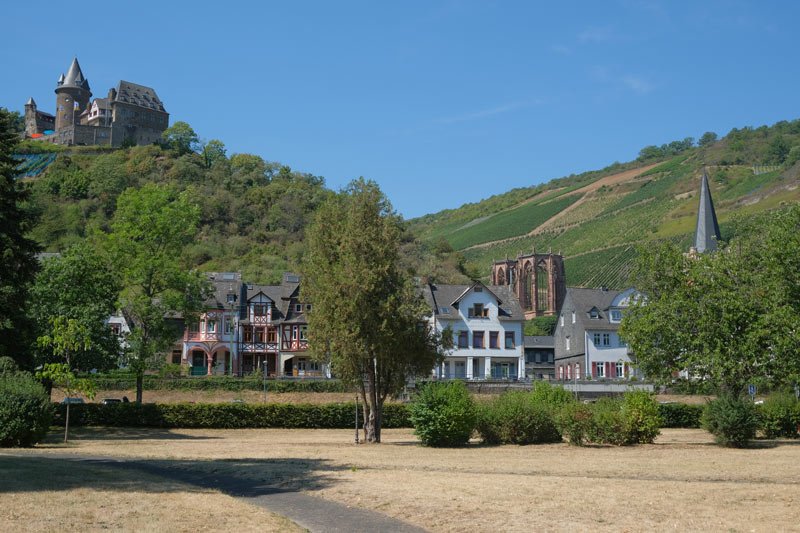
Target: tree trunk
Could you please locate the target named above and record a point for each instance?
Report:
(139, 387)
(66, 422)
(372, 412)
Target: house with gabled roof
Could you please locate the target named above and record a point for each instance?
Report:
(486, 322)
(587, 343)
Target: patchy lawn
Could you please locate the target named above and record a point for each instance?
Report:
(681, 482)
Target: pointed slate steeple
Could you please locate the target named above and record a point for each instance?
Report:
(75, 76)
(707, 232)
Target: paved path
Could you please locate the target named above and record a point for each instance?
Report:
(310, 512)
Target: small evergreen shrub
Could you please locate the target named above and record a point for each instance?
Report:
(607, 424)
(8, 366)
(518, 417)
(780, 416)
(443, 414)
(25, 410)
(732, 420)
(680, 415)
(642, 417)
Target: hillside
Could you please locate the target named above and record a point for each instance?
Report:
(598, 218)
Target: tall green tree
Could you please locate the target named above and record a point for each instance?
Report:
(18, 263)
(151, 227)
(729, 317)
(213, 151)
(181, 138)
(367, 318)
(80, 286)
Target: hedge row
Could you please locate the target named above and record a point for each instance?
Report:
(277, 415)
(227, 416)
(220, 383)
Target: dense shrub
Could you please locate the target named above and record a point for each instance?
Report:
(607, 425)
(780, 416)
(227, 415)
(518, 417)
(732, 420)
(574, 421)
(8, 366)
(680, 415)
(25, 410)
(553, 396)
(443, 414)
(642, 418)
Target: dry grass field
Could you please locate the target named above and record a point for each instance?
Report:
(682, 482)
(40, 494)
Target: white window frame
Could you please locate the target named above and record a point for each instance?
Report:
(620, 369)
(596, 339)
(600, 369)
(616, 315)
(606, 339)
(567, 346)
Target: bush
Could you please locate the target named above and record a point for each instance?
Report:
(8, 366)
(518, 417)
(25, 410)
(126, 381)
(607, 424)
(680, 415)
(732, 420)
(443, 414)
(574, 421)
(553, 396)
(227, 415)
(642, 418)
(780, 416)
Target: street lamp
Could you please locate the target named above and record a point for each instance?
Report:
(266, 368)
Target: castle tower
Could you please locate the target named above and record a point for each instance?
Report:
(707, 231)
(72, 96)
(30, 117)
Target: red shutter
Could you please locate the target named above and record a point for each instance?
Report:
(594, 369)
(608, 369)
(613, 373)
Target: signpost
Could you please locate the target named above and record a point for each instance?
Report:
(751, 390)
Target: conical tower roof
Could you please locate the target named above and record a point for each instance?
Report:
(707, 232)
(75, 77)
(31, 102)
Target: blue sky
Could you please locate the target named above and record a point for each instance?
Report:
(440, 102)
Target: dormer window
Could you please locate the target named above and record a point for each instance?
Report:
(478, 311)
(444, 310)
(594, 313)
(616, 315)
(230, 298)
(298, 308)
(260, 309)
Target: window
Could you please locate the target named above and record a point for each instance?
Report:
(272, 335)
(622, 342)
(478, 311)
(606, 339)
(560, 372)
(596, 339)
(116, 329)
(510, 341)
(259, 309)
(616, 315)
(248, 334)
(259, 334)
(230, 298)
(620, 369)
(477, 339)
(228, 326)
(194, 327)
(463, 339)
(308, 307)
(573, 317)
(303, 333)
(298, 308)
(567, 343)
(211, 326)
(444, 310)
(562, 321)
(577, 371)
(176, 357)
(594, 313)
(600, 371)
(294, 333)
(569, 371)
(493, 339)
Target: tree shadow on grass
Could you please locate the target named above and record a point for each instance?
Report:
(236, 477)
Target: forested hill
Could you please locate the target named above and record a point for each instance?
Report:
(597, 219)
(253, 212)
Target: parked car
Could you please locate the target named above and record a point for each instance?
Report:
(72, 400)
(108, 401)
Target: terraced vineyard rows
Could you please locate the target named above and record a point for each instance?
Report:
(604, 268)
(517, 221)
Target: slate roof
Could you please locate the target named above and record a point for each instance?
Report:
(443, 300)
(583, 300)
(539, 341)
(74, 77)
(707, 231)
(31, 101)
(138, 95)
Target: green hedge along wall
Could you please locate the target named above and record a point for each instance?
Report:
(221, 383)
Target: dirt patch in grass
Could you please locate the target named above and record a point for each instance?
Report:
(41, 494)
(683, 481)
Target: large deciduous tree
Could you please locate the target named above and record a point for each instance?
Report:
(181, 138)
(729, 317)
(79, 286)
(367, 318)
(18, 263)
(151, 227)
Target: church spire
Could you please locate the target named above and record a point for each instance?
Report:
(707, 232)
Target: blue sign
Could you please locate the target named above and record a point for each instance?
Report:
(751, 390)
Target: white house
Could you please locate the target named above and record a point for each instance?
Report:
(486, 323)
(587, 344)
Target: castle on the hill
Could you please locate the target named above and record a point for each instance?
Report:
(131, 114)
